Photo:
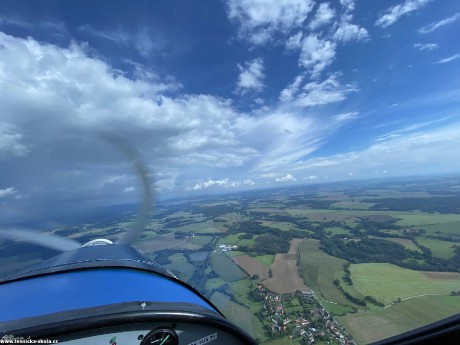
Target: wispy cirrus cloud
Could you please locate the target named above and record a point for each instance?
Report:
(316, 93)
(448, 59)
(436, 25)
(426, 46)
(394, 13)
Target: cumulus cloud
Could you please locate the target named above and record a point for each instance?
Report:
(448, 59)
(258, 20)
(323, 16)
(251, 76)
(55, 101)
(349, 32)
(316, 54)
(426, 46)
(436, 25)
(249, 182)
(394, 13)
(225, 183)
(287, 178)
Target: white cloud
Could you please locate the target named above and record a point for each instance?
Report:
(316, 54)
(259, 19)
(225, 183)
(141, 39)
(291, 90)
(349, 5)
(11, 141)
(411, 153)
(426, 46)
(346, 116)
(294, 42)
(129, 189)
(436, 25)
(311, 177)
(323, 16)
(55, 100)
(348, 32)
(10, 191)
(328, 91)
(251, 76)
(249, 182)
(449, 59)
(394, 13)
(287, 178)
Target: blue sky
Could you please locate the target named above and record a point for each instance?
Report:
(223, 95)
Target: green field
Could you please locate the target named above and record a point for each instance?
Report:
(284, 341)
(446, 228)
(407, 243)
(283, 226)
(239, 314)
(353, 205)
(180, 264)
(388, 282)
(338, 231)
(225, 267)
(234, 239)
(320, 270)
(200, 240)
(374, 325)
(214, 283)
(202, 227)
(266, 260)
(420, 218)
(441, 249)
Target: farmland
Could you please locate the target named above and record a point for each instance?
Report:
(391, 282)
(371, 326)
(380, 257)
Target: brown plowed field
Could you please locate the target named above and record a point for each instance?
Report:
(285, 276)
(251, 266)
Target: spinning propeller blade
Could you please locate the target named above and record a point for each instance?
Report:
(64, 244)
(50, 241)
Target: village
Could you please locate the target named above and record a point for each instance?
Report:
(300, 316)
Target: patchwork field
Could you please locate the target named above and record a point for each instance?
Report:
(320, 270)
(388, 282)
(441, 249)
(407, 243)
(225, 267)
(251, 266)
(246, 319)
(416, 312)
(285, 275)
(353, 205)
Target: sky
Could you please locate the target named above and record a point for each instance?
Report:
(221, 96)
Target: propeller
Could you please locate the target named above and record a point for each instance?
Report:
(63, 244)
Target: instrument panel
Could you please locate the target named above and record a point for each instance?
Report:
(167, 333)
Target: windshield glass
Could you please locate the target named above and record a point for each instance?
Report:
(303, 154)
